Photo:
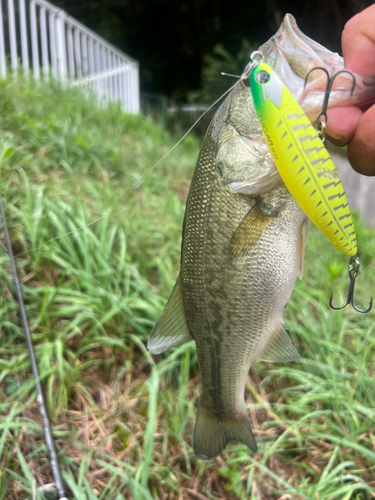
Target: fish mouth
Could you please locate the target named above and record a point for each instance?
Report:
(292, 55)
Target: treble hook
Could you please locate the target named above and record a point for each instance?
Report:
(353, 271)
(321, 125)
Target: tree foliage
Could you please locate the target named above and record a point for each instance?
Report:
(173, 39)
(214, 84)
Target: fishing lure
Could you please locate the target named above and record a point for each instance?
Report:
(303, 161)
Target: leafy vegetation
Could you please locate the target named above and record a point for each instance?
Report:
(214, 85)
(123, 419)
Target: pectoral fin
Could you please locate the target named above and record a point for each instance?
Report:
(280, 348)
(171, 329)
(251, 229)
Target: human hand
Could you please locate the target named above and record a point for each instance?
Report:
(350, 125)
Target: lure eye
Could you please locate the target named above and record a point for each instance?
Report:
(262, 77)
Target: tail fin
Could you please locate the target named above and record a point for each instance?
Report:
(211, 436)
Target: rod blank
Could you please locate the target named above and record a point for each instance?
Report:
(34, 367)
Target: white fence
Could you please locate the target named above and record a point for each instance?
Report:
(40, 38)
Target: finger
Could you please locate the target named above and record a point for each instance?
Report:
(358, 43)
(361, 149)
(341, 124)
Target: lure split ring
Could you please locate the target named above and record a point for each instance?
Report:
(256, 58)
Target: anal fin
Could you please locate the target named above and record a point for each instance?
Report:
(171, 329)
(280, 349)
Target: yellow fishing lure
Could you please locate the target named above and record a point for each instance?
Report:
(302, 159)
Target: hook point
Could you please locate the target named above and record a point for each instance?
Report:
(366, 310)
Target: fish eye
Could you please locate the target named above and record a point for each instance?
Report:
(262, 77)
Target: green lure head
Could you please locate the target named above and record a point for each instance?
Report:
(265, 84)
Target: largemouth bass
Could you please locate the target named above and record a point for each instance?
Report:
(243, 243)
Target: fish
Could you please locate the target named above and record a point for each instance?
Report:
(243, 243)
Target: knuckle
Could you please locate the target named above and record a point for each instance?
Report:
(352, 26)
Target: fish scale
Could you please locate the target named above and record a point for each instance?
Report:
(303, 161)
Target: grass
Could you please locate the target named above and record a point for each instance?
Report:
(122, 418)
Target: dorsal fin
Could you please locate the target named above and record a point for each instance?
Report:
(171, 329)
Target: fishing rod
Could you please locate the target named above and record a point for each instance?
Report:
(55, 466)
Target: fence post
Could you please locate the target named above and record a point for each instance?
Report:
(44, 41)
(24, 45)
(77, 53)
(85, 64)
(2, 47)
(52, 42)
(34, 39)
(61, 44)
(12, 34)
(136, 96)
(91, 70)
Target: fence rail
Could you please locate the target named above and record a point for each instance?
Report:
(41, 38)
